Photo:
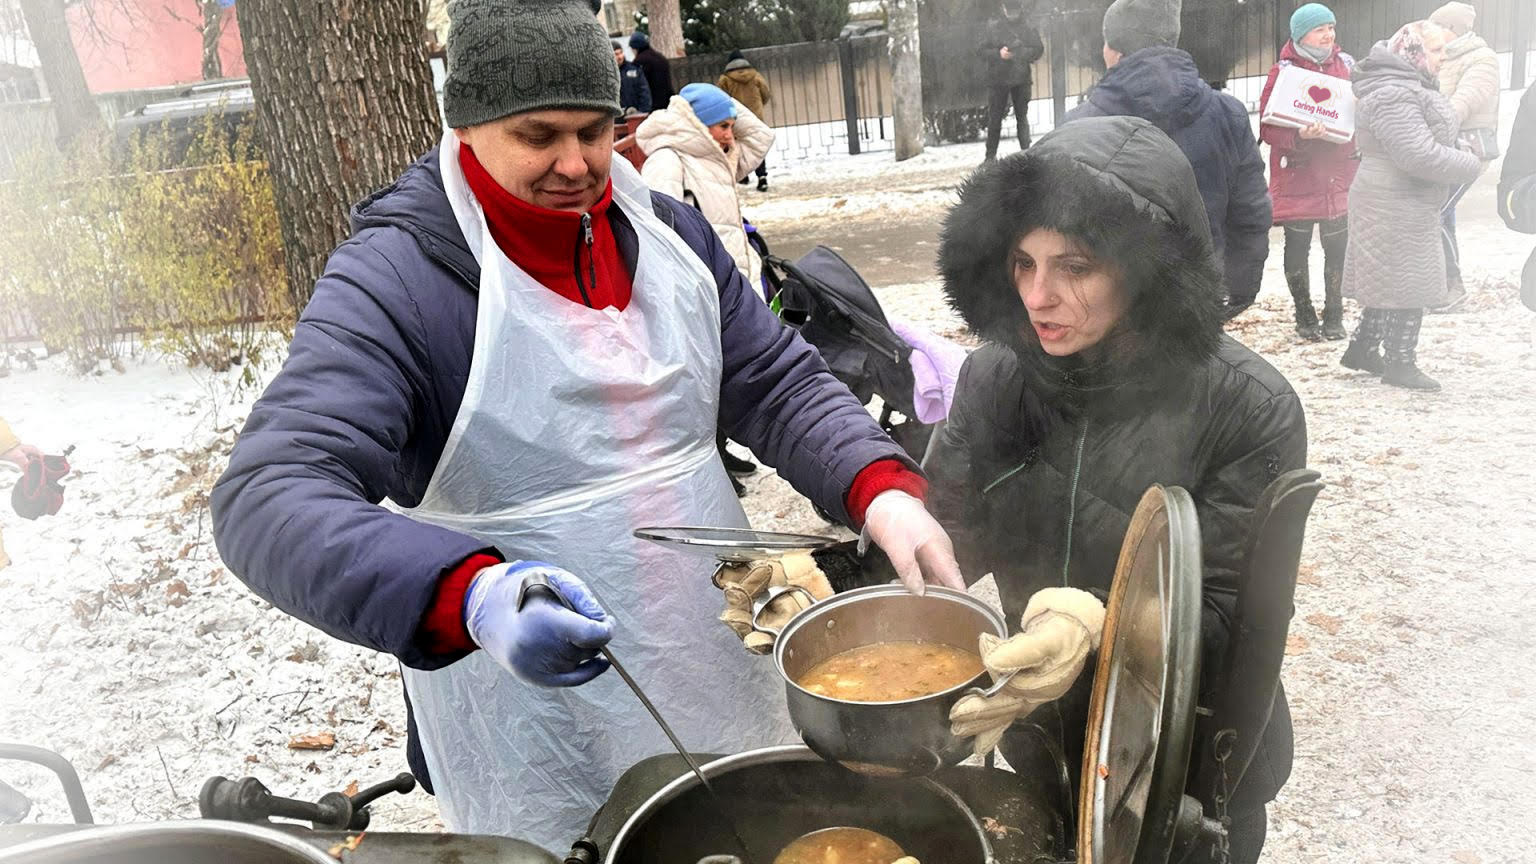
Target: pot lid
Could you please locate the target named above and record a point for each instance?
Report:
(1142, 714)
(733, 544)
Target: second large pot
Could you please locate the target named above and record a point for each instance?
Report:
(910, 737)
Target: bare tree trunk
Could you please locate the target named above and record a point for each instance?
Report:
(344, 102)
(213, 29)
(75, 112)
(906, 79)
(666, 26)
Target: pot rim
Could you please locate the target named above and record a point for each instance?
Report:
(772, 756)
(847, 598)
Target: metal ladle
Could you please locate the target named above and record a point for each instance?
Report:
(537, 582)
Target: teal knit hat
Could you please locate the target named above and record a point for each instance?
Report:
(1308, 18)
(514, 56)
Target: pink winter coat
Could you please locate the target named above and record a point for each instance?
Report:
(1308, 180)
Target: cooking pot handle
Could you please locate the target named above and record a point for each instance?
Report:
(761, 604)
(996, 688)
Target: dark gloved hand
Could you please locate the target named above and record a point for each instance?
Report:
(544, 643)
(38, 492)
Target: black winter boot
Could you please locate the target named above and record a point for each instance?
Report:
(762, 184)
(1362, 359)
(1333, 308)
(734, 465)
(1306, 316)
(1333, 325)
(1408, 375)
(1306, 321)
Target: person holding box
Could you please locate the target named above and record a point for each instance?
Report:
(1309, 177)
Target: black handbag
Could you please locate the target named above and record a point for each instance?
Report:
(1487, 141)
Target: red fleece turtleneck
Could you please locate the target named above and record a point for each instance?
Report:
(553, 246)
(545, 244)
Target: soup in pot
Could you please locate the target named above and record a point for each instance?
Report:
(891, 671)
(842, 846)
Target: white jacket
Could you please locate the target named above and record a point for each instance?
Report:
(1469, 77)
(681, 159)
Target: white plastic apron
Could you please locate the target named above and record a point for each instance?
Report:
(579, 425)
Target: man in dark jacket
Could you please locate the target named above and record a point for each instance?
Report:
(1149, 78)
(1517, 187)
(658, 72)
(528, 353)
(634, 90)
(1009, 45)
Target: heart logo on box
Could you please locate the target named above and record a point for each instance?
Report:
(1319, 94)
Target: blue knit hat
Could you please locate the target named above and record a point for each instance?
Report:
(710, 104)
(1308, 18)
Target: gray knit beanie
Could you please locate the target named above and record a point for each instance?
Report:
(513, 56)
(1131, 25)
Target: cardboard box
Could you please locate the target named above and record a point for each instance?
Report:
(1302, 97)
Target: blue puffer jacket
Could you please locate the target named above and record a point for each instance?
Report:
(1163, 86)
(362, 407)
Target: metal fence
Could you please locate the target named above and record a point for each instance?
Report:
(835, 97)
(1234, 42)
(29, 125)
(813, 85)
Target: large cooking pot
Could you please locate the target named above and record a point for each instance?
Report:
(777, 794)
(905, 738)
(167, 843)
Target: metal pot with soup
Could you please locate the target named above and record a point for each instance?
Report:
(870, 675)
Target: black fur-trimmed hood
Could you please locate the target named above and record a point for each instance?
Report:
(1123, 188)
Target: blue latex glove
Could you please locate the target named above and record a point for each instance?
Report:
(545, 643)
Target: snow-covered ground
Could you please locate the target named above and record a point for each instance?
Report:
(130, 649)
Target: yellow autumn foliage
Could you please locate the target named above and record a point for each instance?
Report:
(172, 238)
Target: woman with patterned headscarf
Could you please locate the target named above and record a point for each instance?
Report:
(1395, 266)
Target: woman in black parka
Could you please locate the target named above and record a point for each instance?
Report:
(1086, 264)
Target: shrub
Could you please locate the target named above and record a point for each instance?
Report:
(179, 242)
(61, 241)
(205, 247)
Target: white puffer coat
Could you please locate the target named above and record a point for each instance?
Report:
(682, 160)
(1469, 77)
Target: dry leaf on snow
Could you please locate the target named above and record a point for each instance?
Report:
(1295, 645)
(318, 741)
(1330, 624)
